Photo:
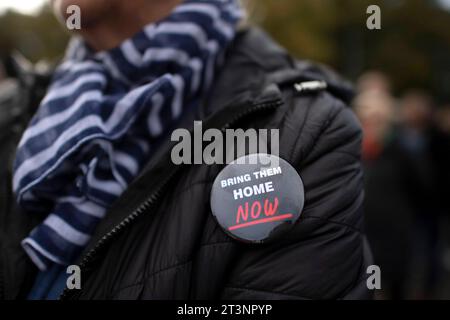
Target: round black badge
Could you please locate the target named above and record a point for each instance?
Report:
(257, 198)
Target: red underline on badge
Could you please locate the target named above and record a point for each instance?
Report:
(266, 220)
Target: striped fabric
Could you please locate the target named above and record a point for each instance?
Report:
(102, 116)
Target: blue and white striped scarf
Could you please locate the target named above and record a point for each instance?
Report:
(104, 111)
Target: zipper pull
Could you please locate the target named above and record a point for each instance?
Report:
(310, 86)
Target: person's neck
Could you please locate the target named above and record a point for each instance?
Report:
(124, 22)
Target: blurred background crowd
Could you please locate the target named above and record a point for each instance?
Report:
(402, 77)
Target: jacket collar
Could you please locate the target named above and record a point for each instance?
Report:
(245, 77)
(250, 87)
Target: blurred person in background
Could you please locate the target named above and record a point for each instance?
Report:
(426, 151)
(442, 118)
(2, 71)
(375, 107)
(374, 81)
(387, 204)
(406, 186)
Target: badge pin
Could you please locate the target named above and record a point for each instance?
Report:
(257, 198)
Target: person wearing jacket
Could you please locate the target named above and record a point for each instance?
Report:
(95, 184)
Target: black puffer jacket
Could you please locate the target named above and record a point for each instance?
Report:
(160, 240)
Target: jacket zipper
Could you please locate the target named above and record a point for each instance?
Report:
(154, 197)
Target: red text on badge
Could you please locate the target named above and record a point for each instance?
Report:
(258, 212)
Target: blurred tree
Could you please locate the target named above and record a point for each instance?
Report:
(413, 46)
(36, 37)
(304, 27)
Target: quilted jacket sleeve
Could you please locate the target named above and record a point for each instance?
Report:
(323, 257)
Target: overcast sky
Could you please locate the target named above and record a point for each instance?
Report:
(30, 6)
(24, 6)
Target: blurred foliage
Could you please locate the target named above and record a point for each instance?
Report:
(413, 47)
(37, 37)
